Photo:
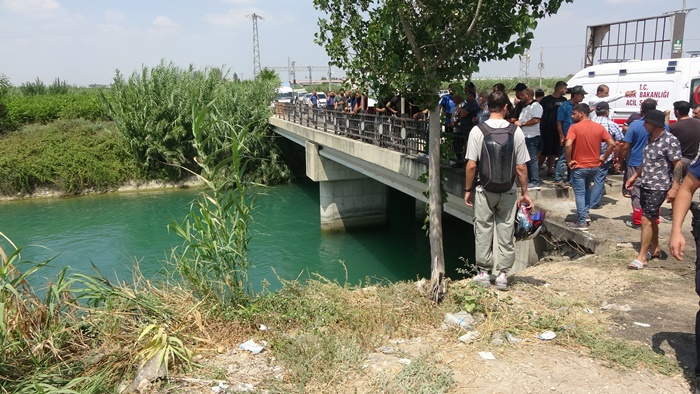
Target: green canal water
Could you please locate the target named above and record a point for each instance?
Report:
(116, 231)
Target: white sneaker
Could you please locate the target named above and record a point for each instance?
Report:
(483, 278)
(502, 281)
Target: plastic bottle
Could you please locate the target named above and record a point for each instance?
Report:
(452, 319)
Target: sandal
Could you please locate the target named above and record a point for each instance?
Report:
(636, 265)
(661, 256)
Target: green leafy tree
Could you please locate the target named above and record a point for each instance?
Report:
(5, 85)
(268, 75)
(417, 45)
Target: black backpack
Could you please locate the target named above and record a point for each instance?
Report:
(497, 163)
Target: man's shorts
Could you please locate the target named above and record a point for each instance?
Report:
(651, 201)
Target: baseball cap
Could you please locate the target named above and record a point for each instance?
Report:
(520, 86)
(602, 106)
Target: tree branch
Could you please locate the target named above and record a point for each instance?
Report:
(412, 39)
(446, 54)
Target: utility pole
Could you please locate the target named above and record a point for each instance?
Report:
(311, 80)
(329, 78)
(540, 66)
(525, 65)
(256, 44)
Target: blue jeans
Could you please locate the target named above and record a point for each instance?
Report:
(599, 183)
(561, 167)
(581, 179)
(533, 169)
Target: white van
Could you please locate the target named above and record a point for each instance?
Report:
(285, 94)
(666, 81)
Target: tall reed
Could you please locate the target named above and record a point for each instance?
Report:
(152, 110)
(213, 259)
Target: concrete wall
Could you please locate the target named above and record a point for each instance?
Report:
(348, 199)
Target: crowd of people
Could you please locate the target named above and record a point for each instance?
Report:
(504, 145)
(578, 144)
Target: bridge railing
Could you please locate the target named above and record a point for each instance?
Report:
(401, 134)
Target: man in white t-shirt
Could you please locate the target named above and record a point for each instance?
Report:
(602, 95)
(495, 211)
(529, 122)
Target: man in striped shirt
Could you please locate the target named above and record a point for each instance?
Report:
(602, 112)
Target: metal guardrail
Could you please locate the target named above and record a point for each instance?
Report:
(400, 134)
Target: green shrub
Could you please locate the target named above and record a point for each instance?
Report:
(33, 88)
(84, 104)
(69, 156)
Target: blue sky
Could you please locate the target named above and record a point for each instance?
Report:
(85, 41)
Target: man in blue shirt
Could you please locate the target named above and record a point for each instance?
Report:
(447, 106)
(632, 150)
(314, 99)
(564, 121)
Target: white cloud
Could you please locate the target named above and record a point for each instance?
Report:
(114, 15)
(239, 2)
(163, 22)
(163, 27)
(32, 7)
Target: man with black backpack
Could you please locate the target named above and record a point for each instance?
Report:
(497, 149)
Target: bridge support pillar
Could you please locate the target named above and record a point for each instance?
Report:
(348, 199)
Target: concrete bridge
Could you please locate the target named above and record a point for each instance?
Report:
(356, 157)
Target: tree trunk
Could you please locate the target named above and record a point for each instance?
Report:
(437, 257)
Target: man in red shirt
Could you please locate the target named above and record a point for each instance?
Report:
(583, 158)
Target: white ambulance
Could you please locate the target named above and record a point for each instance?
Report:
(665, 81)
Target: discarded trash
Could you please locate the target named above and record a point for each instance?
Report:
(243, 387)
(621, 308)
(386, 349)
(547, 335)
(589, 311)
(263, 327)
(461, 319)
(487, 355)
(469, 337)
(642, 324)
(251, 346)
(511, 338)
(220, 388)
(404, 361)
(496, 339)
